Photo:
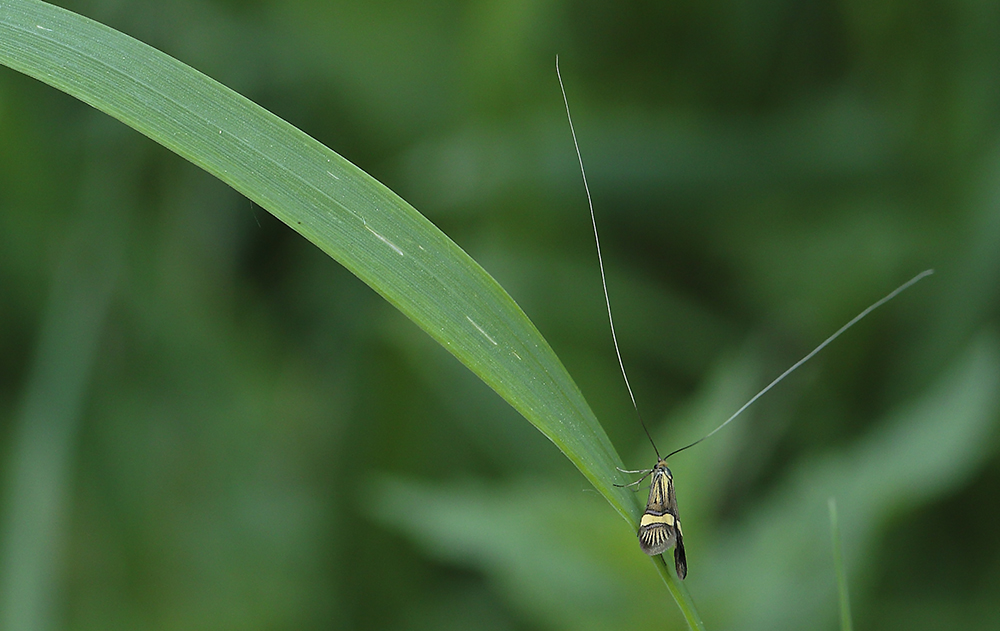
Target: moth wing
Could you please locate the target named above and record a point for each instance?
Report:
(654, 539)
(680, 559)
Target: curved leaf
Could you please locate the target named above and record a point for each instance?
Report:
(342, 210)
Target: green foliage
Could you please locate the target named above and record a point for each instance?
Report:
(346, 213)
(250, 438)
(846, 622)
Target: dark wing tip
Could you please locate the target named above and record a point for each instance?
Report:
(680, 559)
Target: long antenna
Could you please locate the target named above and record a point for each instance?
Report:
(600, 260)
(614, 337)
(895, 292)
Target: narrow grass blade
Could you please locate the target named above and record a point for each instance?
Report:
(838, 564)
(39, 475)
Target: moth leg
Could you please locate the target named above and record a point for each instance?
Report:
(625, 486)
(636, 484)
(646, 471)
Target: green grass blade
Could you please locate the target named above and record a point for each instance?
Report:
(679, 592)
(342, 210)
(345, 212)
(838, 564)
(38, 478)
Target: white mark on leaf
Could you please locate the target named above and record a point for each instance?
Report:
(480, 329)
(389, 243)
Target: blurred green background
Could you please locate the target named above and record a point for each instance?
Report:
(205, 423)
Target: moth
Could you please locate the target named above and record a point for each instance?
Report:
(660, 524)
